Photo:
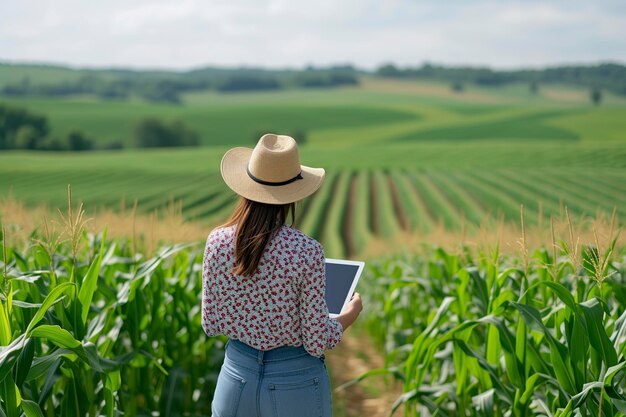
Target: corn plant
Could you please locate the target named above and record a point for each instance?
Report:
(478, 335)
(87, 328)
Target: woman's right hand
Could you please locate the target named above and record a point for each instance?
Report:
(351, 312)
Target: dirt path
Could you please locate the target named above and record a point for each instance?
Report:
(372, 397)
(397, 204)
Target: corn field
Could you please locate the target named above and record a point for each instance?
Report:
(88, 327)
(540, 334)
(355, 207)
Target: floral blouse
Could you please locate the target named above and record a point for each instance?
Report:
(281, 304)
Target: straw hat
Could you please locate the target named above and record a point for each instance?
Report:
(271, 172)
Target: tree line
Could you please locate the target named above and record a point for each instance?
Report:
(609, 76)
(167, 87)
(22, 129)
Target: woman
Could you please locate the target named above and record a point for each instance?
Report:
(263, 286)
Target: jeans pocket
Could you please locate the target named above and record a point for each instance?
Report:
(300, 398)
(227, 394)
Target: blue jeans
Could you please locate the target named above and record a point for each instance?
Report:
(282, 382)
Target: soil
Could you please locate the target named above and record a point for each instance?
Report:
(397, 205)
(427, 88)
(348, 219)
(372, 397)
(565, 95)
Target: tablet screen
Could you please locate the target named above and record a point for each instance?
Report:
(339, 279)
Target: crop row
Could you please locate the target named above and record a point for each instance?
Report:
(385, 204)
(355, 206)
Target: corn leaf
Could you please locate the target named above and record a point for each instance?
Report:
(24, 362)
(9, 355)
(88, 286)
(612, 371)
(597, 335)
(31, 409)
(484, 403)
(5, 326)
(501, 388)
(11, 396)
(48, 302)
(42, 364)
(57, 335)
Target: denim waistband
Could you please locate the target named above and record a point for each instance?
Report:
(273, 355)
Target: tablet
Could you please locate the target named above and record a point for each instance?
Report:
(341, 279)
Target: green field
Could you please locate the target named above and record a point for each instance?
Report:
(467, 332)
(373, 112)
(417, 154)
(217, 123)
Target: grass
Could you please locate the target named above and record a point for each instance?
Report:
(476, 156)
(216, 124)
(388, 219)
(333, 234)
(410, 199)
(377, 110)
(440, 207)
(360, 218)
(594, 124)
(415, 210)
(527, 127)
(314, 221)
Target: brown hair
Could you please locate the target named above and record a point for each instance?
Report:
(256, 225)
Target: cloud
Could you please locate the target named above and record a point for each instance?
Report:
(279, 33)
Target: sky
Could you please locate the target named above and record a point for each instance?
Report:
(185, 34)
